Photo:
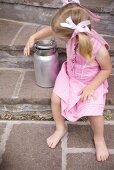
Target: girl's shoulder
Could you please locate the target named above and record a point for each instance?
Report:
(98, 41)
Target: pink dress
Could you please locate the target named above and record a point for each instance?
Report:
(74, 75)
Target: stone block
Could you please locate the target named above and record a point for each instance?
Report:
(80, 136)
(57, 3)
(32, 93)
(27, 13)
(2, 127)
(15, 59)
(8, 31)
(41, 12)
(87, 161)
(27, 148)
(110, 40)
(24, 35)
(110, 95)
(8, 80)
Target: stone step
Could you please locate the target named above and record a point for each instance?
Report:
(23, 144)
(103, 4)
(14, 35)
(41, 12)
(17, 80)
(39, 112)
(18, 86)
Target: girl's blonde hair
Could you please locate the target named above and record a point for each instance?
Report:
(77, 14)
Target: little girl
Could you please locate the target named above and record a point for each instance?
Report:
(81, 85)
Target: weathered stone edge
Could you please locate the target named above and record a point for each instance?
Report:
(38, 112)
(21, 47)
(13, 101)
(57, 5)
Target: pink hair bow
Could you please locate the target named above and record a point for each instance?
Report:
(65, 2)
(81, 27)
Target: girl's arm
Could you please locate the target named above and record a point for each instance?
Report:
(104, 61)
(103, 58)
(43, 33)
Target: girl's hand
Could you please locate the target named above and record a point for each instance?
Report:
(86, 93)
(28, 46)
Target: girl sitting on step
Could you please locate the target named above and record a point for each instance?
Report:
(81, 85)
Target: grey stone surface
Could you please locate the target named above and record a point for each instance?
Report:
(8, 80)
(2, 127)
(44, 11)
(25, 13)
(110, 40)
(105, 26)
(19, 108)
(27, 149)
(57, 3)
(45, 3)
(28, 29)
(37, 112)
(25, 33)
(112, 65)
(8, 31)
(109, 136)
(87, 161)
(80, 136)
(15, 59)
(32, 92)
(110, 95)
(25, 112)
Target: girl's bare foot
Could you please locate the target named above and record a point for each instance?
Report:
(102, 153)
(54, 139)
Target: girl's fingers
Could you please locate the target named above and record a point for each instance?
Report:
(25, 51)
(80, 93)
(89, 98)
(85, 98)
(82, 98)
(94, 97)
(29, 45)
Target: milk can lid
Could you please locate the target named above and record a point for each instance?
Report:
(45, 44)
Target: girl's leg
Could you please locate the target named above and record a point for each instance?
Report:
(54, 139)
(97, 124)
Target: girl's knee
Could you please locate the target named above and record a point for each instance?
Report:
(55, 99)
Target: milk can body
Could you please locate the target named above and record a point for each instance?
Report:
(46, 63)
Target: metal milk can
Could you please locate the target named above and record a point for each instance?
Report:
(46, 64)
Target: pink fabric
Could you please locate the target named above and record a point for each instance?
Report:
(75, 74)
(80, 27)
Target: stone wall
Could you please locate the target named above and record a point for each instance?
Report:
(41, 11)
(57, 3)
